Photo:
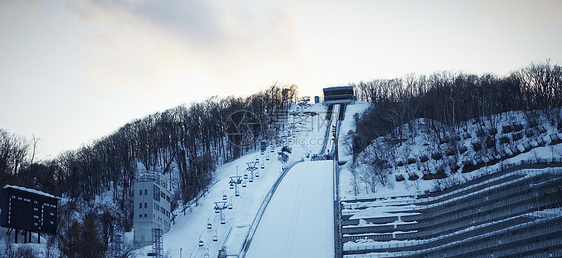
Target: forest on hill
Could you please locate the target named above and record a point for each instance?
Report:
(188, 141)
(453, 98)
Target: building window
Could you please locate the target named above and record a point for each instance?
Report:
(140, 215)
(156, 207)
(145, 192)
(145, 215)
(140, 205)
(140, 192)
(156, 193)
(145, 205)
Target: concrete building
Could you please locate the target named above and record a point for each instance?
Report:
(339, 95)
(151, 207)
(511, 213)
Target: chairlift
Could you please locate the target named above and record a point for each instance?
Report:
(224, 197)
(262, 166)
(231, 186)
(230, 206)
(209, 226)
(201, 242)
(216, 211)
(223, 221)
(251, 180)
(244, 184)
(267, 158)
(257, 174)
(245, 176)
(215, 237)
(237, 194)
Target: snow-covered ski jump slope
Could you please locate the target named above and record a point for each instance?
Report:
(298, 221)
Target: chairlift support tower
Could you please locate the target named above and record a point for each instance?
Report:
(252, 166)
(220, 206)
(236, 180)
(157, 245)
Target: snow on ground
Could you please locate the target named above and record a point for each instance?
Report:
(192, 227)
(348, 124)
(305, 135)
(308, 130)
(420, 144)
(299, 219)
(406, 192)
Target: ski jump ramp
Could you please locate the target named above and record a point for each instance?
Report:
(298, 221)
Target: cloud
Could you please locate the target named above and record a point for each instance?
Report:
(207, 47)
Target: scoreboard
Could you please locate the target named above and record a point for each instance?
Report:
(28, 209)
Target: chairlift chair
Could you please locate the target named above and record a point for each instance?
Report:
(224, 197)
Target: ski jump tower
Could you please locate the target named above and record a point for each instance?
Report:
(152, 208)
(339, 95)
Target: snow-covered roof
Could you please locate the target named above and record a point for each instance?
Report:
(30, 191)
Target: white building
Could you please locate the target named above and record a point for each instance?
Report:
(151, 208)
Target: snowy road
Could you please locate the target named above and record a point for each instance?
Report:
(299, 219)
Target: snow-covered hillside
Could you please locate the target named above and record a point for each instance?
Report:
(448, 156)
(305, 138)
(298, 221)
(485, 181)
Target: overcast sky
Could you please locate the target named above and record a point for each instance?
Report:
(74, 71)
